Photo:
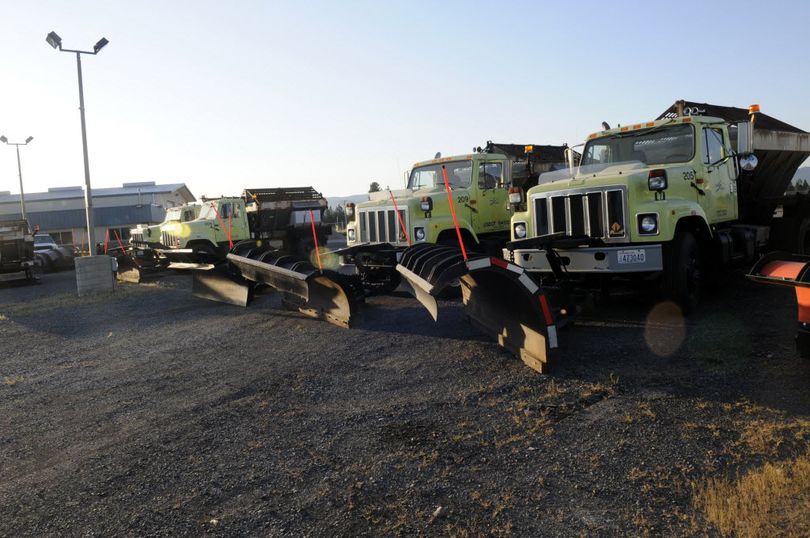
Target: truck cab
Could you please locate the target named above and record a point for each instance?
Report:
(661, 196)
(221, 222)
(145, 235)
(479, 184)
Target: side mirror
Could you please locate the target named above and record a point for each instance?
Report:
(748, 161)
(744, 138)
(569, 157)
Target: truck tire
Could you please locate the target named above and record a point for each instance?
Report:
(682, 277)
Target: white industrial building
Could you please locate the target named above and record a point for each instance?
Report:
(61, 213)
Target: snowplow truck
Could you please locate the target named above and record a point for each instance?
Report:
(138, 258)
(278, 216)
(481, 183)
(17, 258)
(272, 239)
(682, 198)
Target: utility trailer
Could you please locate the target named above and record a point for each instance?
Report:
(17, 259)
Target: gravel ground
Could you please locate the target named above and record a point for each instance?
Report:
(154, 412)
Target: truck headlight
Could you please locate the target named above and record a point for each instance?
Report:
(657, 180)
(351, 235)
(648, 224)
(520, 230)
(419, 233)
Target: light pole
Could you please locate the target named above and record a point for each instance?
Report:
(19, 168)
(56, 42)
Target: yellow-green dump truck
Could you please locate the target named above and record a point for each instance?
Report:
(480, 184)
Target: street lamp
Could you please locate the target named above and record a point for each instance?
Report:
(19, 168)
(56, 42)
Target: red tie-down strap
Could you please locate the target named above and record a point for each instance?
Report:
(121, 246)
(222, 223)
(453, 213)
(315, 238)
(399, 216)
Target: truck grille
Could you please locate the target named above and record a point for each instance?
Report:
(136, 237)
(382, 226)
(596, 213)
(169, 240)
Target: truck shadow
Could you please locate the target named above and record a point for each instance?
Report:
(729, 350)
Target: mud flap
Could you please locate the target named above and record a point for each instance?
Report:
(500, 299)
(784, 269)
(318, 294)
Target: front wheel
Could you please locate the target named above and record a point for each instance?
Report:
(683, 272)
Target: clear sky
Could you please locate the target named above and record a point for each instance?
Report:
(225, 95)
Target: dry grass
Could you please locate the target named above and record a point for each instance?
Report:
(766, 437)
(768, 501)
(3, 317)
(12, 380)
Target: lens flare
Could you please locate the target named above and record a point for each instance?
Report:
(665, 329)
(329, 260)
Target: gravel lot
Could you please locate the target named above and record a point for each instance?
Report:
(153, 412)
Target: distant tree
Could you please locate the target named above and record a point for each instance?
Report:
(802, 185)
(340, 216)
(328, 216)
(374, 187)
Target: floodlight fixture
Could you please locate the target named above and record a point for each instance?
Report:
(54, 40)
(100, 45)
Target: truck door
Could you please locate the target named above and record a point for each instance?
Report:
(719, 181)
(222, 222)
(492, 214)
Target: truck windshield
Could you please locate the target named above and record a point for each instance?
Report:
(226, 210)
(459, 175)
(659, 145)
(173, 214)
(43, 238)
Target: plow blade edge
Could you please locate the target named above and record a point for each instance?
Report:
(218, 284)
(319, 294)
(128, 270)
(500, 299)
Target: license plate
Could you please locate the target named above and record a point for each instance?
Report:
(632, 256)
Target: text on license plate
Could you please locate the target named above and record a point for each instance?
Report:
(632, 256)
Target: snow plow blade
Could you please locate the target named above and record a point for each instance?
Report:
(784, 269)
(219, 284)
(128, 270)
(318, 294)
(500, 299)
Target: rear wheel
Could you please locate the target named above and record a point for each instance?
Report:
(682, 277)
